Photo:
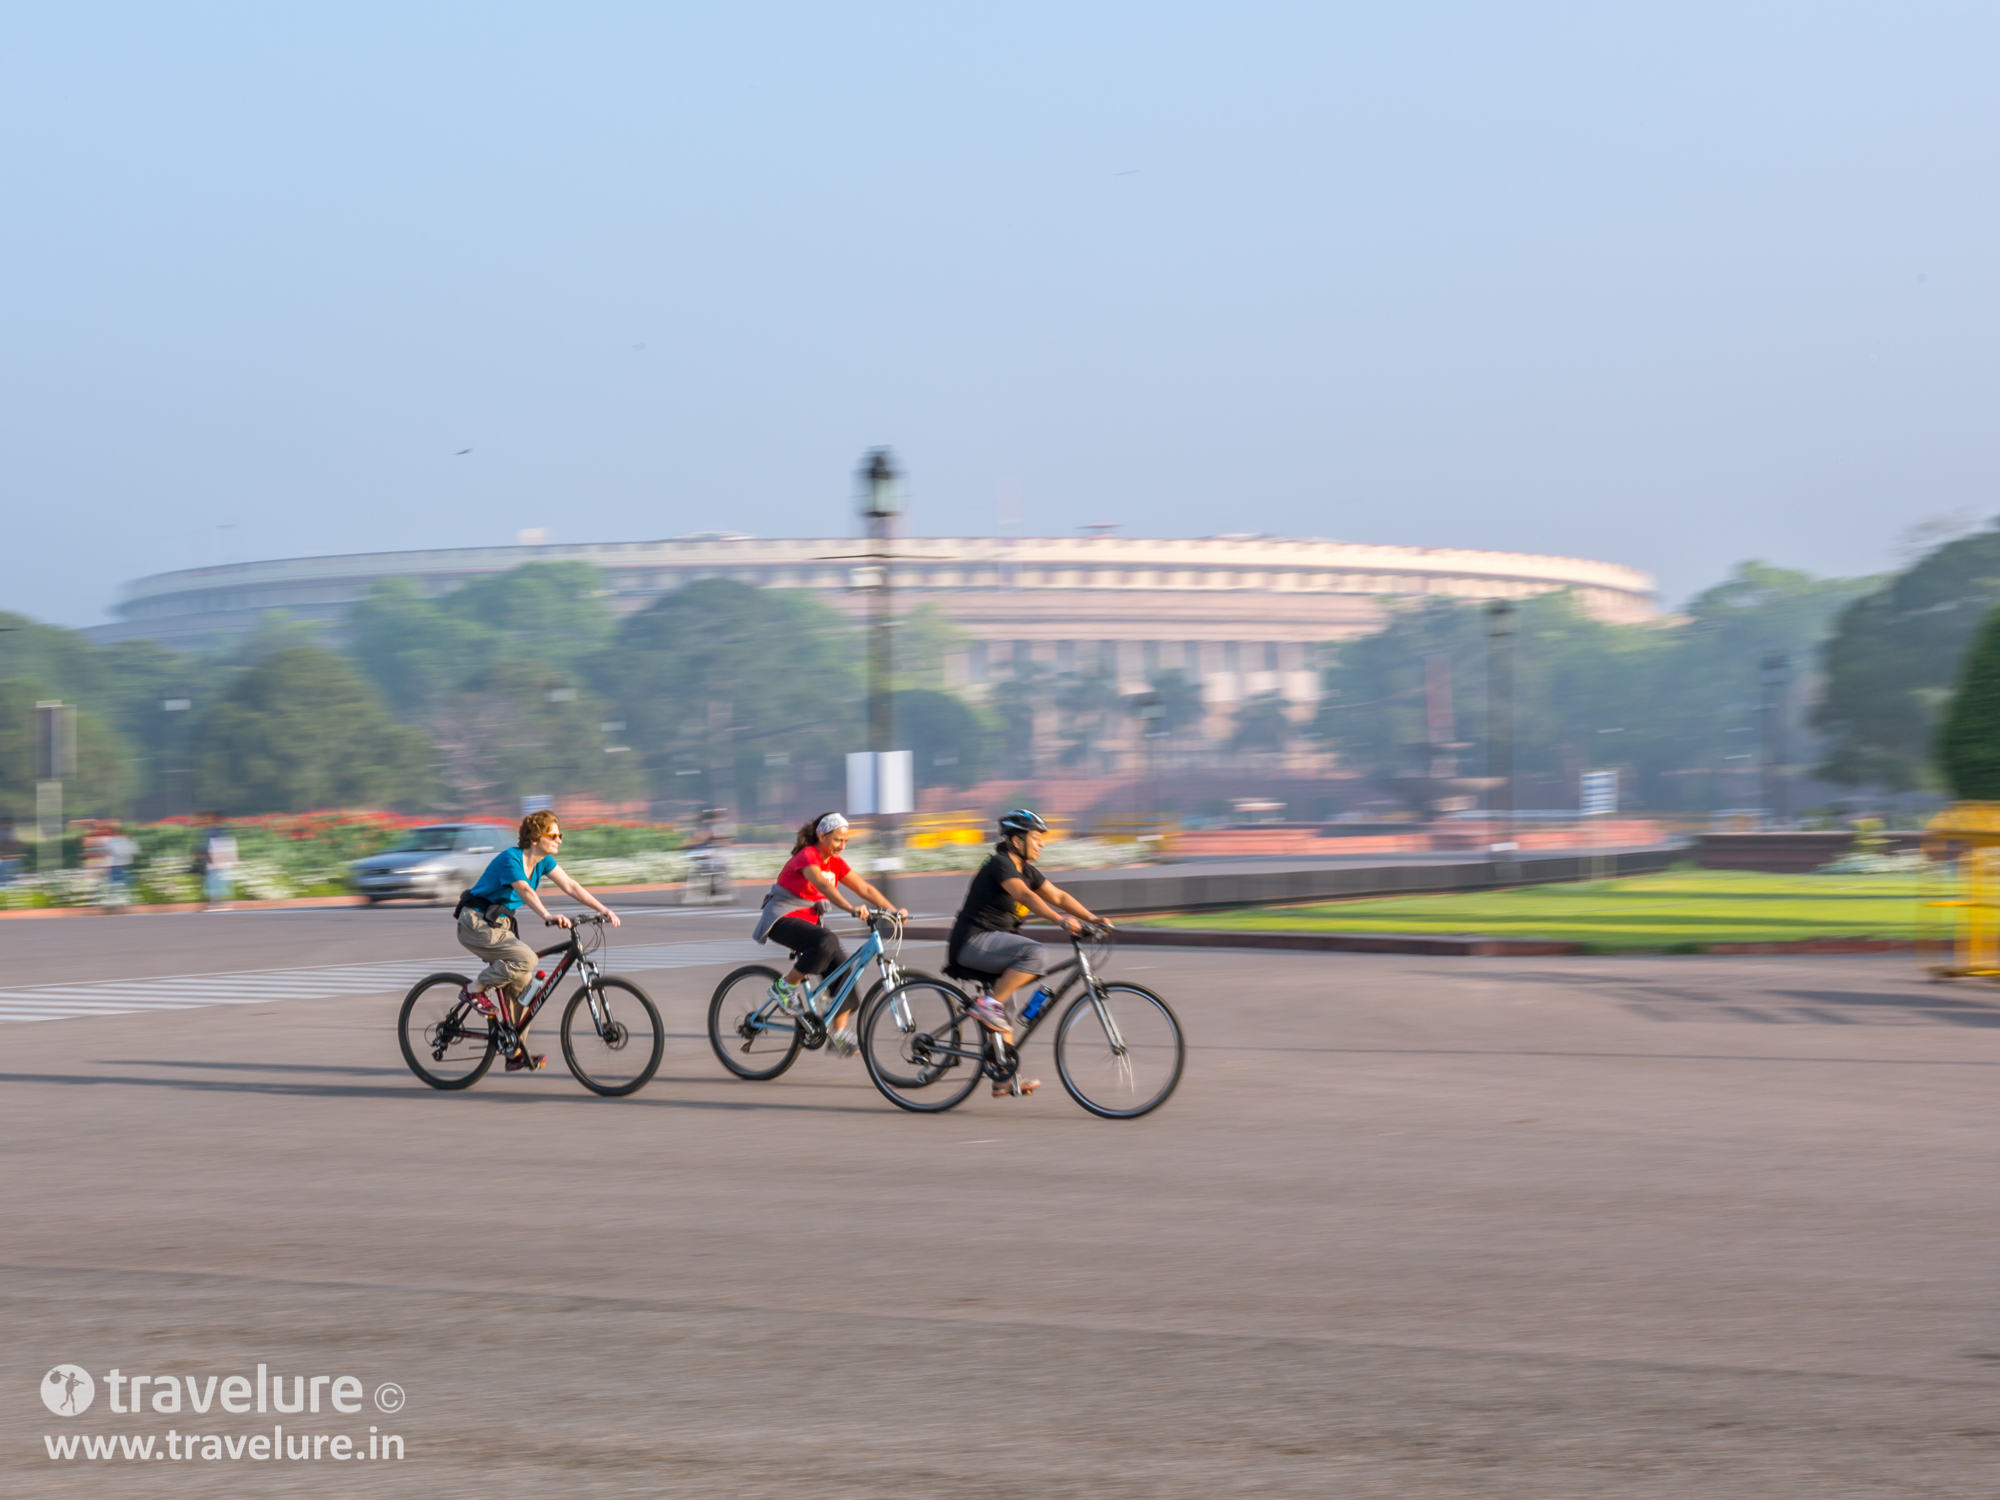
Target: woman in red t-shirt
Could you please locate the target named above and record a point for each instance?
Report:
(816, 872)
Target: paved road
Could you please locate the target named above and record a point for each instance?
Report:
(1580, 1227)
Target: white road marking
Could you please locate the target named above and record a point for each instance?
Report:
(50, 1002)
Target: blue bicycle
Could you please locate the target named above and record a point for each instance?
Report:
(755, 1038)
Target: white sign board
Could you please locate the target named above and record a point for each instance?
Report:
(1599, 793)
(879, 783)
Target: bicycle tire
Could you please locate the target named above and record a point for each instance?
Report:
(782, 1039)
(907, 1065)
(1152, 1036)
(641, 1067)
(426, 1017)
(875, 993)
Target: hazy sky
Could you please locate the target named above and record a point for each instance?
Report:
(1673, 285)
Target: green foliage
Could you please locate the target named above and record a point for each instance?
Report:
(1014, 706)
(301, 730)
(749, 691)
(923, 639)
(1968, 746)
(1892, 660)
(1262, 726)
(103, 765)
(495, 675)
(617, 840)
(1676, 705)
(1181, 707)
(948, 740)
(1679, 911)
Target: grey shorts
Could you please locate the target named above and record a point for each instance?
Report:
(997, 952)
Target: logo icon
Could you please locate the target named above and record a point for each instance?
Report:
(389, 1396)
(68, 1390)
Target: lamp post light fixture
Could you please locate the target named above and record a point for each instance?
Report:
(1500, 624)
(881, 504)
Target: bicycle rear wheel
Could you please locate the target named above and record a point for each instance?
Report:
(445, 1041)
(615, 1053)
(922, 1046)
(751, 1036)
(1122, 1060)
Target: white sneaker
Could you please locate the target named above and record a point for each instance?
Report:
(787, 996)
(843, 1043)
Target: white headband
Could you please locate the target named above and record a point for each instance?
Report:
(828, 823)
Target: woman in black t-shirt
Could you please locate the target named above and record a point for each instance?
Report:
(987, 938)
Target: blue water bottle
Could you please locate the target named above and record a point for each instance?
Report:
(1032, 1012)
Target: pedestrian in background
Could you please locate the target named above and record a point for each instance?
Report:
(218, 864)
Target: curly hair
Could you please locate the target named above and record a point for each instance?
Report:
(536, 826)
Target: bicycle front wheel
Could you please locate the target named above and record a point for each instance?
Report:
(614, 1046)
(901, 1018)
(1119, 1052)
(751, 1036)
(445, 1041)
(922, 1046)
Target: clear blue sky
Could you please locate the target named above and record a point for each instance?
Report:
(1674, 285)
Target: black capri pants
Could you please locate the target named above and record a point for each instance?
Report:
(814, 949)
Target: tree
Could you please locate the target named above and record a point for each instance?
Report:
(1892, 660)
(1675, 704)
(1968, 742)
(103, 763)
(947, 739)
(1085, 704)
(1262, 725)
(1178, 698)
(730, 684)
(495, 674)
(923, 639)
(300, 731)
(1016, 703)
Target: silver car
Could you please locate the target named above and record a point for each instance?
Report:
(430, 864)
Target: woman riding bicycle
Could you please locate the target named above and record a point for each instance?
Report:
(986, 939)
(812, 877)
(487, 927)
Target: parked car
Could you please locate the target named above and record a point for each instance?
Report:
(430, 864)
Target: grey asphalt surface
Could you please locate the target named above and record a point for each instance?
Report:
(1411, 1226)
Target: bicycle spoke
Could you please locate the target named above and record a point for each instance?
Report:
(446, 1043)
(921, 1046)
(612, 1037)
(750, 1036)
(1119, 1050)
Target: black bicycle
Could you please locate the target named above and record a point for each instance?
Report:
(1118, 1047)
(612, 1038)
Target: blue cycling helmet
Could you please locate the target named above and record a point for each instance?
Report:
(1022, 820)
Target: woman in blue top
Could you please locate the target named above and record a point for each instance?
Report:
(486, 923)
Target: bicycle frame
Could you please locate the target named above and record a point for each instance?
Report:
(992, 1053)
(836, 989)
(536, 995)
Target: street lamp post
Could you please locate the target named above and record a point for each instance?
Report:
(881, 504)
(1500, 718)
(1776, 674)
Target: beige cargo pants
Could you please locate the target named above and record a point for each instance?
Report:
(510, 963)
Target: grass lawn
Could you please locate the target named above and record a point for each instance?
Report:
(1681, 909)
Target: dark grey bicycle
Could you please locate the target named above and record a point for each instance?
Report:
(1118, 1046)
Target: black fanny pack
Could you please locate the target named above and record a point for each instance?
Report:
(493, 911)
